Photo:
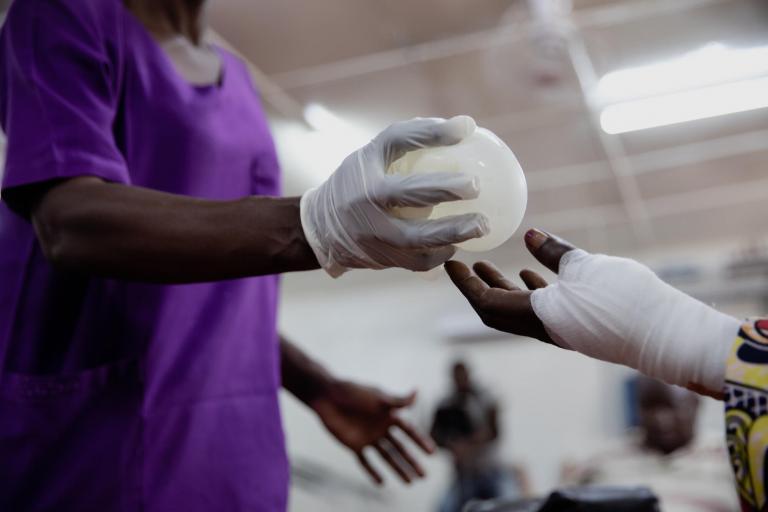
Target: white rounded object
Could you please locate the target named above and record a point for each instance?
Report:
(503, 190)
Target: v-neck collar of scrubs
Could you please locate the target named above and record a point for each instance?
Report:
(171, 66)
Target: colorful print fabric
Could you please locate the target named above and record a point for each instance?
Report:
(746, 413)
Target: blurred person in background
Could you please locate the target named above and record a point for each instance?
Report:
(688, 472)
(466, 424)
(617, 310)
(141, 234)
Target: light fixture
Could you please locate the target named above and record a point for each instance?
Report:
(312, 154)
(685, 106)
(320, 118)
(712, 81)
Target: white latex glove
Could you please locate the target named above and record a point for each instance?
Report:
(618, 310)
(347, 220)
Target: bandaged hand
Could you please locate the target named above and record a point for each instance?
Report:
(609, 308)
(348, 221)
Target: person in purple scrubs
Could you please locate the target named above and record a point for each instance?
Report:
(141, 234)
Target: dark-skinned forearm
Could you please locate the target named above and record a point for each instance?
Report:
(133, 233)
(303, 377)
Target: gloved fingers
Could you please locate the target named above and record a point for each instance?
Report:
(492, 276)
(391, 251)
(546, 248)
(424, 260)
(445, 231)
(419, 133)
(533, 280)
(427, 189)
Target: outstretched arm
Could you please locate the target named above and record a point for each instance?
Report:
(613, 309)
(89, 225)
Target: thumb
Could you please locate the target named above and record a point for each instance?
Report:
(546, 248)
(398, 402)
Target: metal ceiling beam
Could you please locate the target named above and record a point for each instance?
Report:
(700, 152)
(666, 159)
(343, 69)
(630, 11)
(396, 58)
(612, 146)
(719, 197)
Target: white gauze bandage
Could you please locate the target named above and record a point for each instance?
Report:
(618, 310)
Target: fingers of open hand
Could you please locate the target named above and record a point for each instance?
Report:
(498, 307)
(484, 298)
(393, 459)
(421, 440)
(403, 452)
(471, 286)
(368, 467)
(546, 248)
(492, 276)
(533, 280)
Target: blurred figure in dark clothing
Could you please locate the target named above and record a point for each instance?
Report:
(466, 424)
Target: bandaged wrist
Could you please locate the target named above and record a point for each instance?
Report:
(618, 310)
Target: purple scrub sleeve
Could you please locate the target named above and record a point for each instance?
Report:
(59, 97)
(121, 396)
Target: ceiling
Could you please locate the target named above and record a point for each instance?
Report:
(375, 62)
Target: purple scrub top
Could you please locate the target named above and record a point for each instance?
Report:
(119, 396)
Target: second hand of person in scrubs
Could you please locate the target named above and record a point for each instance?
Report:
(357, 416)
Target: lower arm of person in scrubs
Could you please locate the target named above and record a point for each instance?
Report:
(114, 230)
(360, 417)
(89, 225)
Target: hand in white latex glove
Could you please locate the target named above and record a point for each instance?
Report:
(347, 220)
(609, 308)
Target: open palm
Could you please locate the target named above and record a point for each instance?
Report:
(361, 416)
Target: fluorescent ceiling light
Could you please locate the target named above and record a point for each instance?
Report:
(712, 81)
(685, 106)
(320, 118)
(311, 155)
(710, 65)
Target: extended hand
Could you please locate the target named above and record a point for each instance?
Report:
(498, 301)
(361, 416)
(612, 309)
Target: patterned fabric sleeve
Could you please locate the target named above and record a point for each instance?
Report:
(746, 413)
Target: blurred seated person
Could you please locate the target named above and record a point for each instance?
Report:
(686, 471)
(466, 424)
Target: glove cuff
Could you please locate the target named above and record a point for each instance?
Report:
(314, 239)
